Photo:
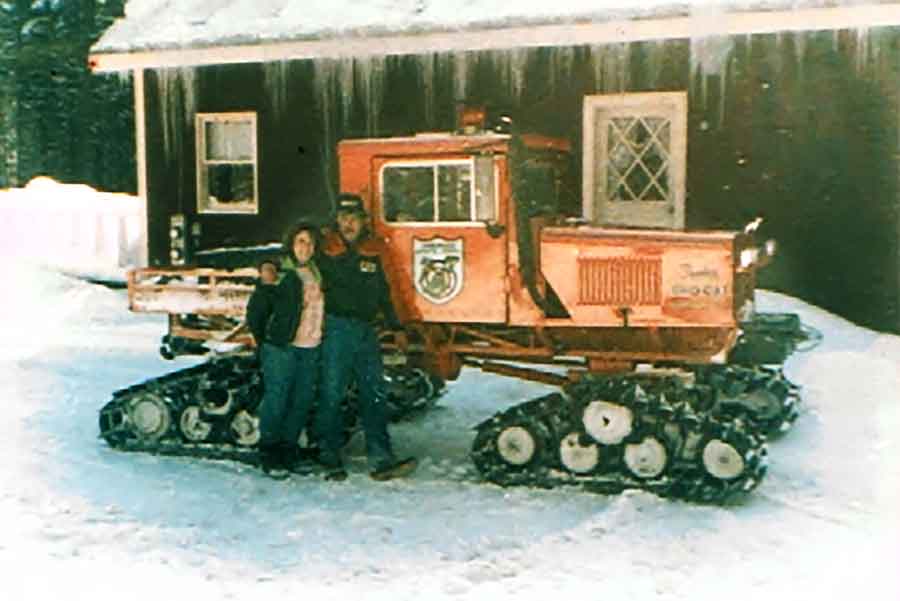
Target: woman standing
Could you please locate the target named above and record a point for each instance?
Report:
(286, 322)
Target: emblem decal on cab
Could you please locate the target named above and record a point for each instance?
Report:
(438, 268)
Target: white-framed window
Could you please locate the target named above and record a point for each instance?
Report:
(227, 163)
(458, 191)
(635, 159)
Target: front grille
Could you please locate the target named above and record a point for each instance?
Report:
(621, 282)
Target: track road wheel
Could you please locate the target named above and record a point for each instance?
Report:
(150, 416)
(244, 429)
(607, 423)
(646, 459)
(721, 460)
(192, 425)
(576, 456)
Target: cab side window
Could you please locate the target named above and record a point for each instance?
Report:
(448, 191)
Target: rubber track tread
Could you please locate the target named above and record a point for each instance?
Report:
(235, 376)
(663, 408)
(761, 396)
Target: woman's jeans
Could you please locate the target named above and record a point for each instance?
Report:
(290, 376)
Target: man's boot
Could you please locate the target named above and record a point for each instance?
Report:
(394, 469)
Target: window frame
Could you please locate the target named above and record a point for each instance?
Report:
(204, 205)
(597, 206)
(436, 162)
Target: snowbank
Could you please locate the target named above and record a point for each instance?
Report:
(73, 228)
(80, 520)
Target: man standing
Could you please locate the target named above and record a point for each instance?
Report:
(286, 322)
(355, 292)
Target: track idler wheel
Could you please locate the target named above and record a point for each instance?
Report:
(510, 445)
(149, 416)
(733, 463)
(517, 445)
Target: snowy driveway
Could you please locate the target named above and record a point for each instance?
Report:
(79, 520)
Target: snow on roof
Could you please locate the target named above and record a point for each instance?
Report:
(183, 24)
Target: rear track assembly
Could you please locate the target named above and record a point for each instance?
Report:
(209, 410)
(608, 434)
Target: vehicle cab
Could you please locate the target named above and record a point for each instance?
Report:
(442, 203)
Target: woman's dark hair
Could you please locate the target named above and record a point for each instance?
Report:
(303, 225)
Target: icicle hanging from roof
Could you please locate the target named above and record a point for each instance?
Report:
(710, 56)
(800, 51)
(276, 76)
(656, 53)
(166, 107)
(611, 67)
(427, 68)
(561, 60)
(177, 99)
(326, 74)
(723, 91)
(124, 78)
(863, 48)
(344, 76)
(188, 76)
(510, 65)
(461, 64)
(370, 73)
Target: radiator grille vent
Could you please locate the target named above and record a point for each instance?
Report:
(623, 282)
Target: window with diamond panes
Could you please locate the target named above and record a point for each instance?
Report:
(638, 165)
(635, 157)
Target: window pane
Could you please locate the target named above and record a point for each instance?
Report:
(484, 189)
(454, 193)
(230, 183)
(229, 140)
(408, 193)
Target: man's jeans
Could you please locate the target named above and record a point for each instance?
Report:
(350, 352)
(290, 375)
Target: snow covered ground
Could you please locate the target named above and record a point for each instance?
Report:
(81, 521)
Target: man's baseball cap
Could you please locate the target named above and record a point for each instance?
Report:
(349, 203)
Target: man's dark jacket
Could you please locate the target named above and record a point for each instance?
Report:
(354, 281)
(273, 311)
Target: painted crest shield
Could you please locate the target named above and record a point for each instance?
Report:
(438, 268)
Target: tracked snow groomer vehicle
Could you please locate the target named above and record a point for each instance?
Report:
(669, 380)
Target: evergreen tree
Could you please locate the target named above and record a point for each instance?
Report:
(58, 118)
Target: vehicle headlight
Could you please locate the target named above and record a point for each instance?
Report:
(748, 257)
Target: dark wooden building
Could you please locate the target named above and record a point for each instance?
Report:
(791, 112)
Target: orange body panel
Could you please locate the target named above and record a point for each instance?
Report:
(482, 293)
(660, 278)
(609, 298)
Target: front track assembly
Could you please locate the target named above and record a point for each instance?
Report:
(209, 410)
(611, 433)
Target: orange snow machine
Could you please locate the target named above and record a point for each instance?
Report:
(669, 380)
